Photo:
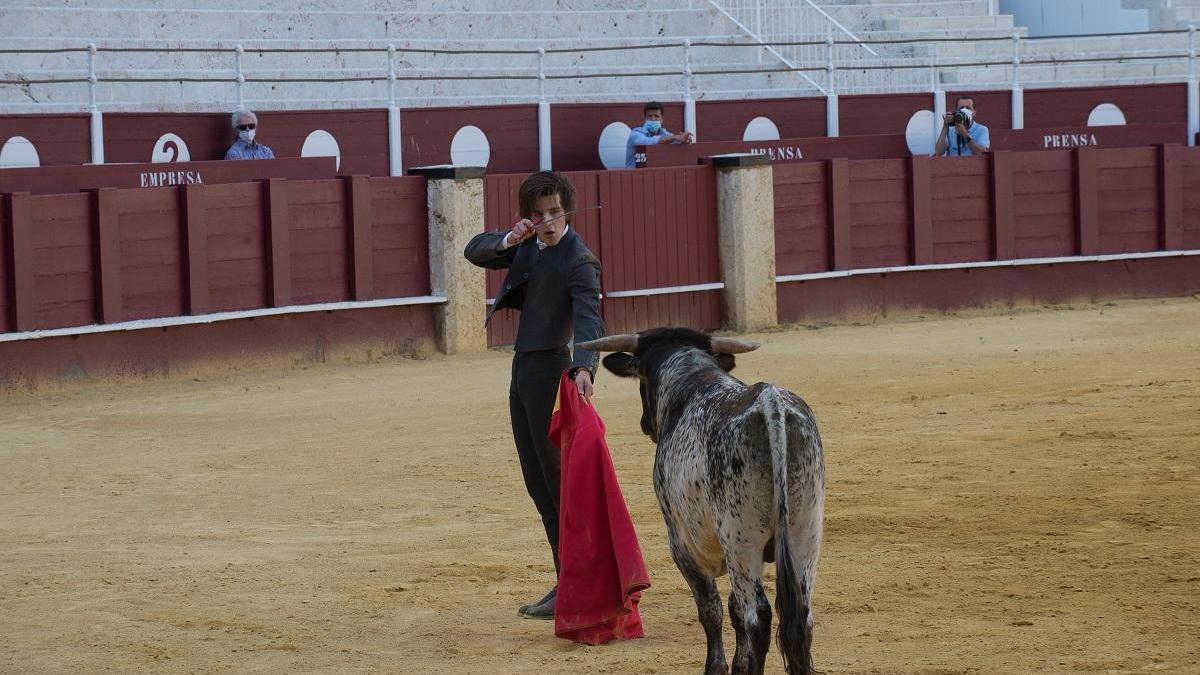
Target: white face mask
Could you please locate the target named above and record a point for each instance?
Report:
(247, 135)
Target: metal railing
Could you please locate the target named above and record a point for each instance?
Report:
(796, 32)
(204, 76)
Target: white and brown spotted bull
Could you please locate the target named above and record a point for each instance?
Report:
(739, 474)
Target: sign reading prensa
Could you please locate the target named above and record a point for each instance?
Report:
(1069, 141)
(776, 154)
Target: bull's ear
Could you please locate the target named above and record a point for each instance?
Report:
(726, 361)
(621, 364)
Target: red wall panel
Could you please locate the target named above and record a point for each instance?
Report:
(237, 259)
(400, 237)
(152, 274)
(1191, 200)
(1143, 104)
(873, 114)
(59, 139)
(5, 309)
(961, 211)
(1129, 200)
(992, 108)
(511, 130)
(880, 213)
(318, 234)
(801, 218)
(63, 260)
(1044, 204)
(130, 137)
(727, 120)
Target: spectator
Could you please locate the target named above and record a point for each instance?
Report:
(245, 125)
(651, 133)
(961, 135)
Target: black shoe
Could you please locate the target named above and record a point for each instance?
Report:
(542, 609)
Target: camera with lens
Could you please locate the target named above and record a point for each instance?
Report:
(962, 116)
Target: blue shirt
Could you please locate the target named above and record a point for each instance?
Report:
(640, 136)
(976, 131)
(243, 150)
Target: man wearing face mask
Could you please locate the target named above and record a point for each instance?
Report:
(651, 133)
(245, 125)
(961, 135)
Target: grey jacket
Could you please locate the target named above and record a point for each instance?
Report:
(557, 291)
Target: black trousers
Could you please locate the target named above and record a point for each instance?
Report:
(531, 395)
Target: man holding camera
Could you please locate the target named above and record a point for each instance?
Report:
(961, 134)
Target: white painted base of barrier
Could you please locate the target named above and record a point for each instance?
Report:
(221, 316)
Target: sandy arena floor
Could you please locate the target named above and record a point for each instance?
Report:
(1007, 493)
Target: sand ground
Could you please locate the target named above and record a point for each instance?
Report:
(1007, 493)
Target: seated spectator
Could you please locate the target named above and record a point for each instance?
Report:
(245, 125)
(961, 135)
(651, 133)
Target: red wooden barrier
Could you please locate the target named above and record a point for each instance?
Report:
(654, 229)
(802, 222)
(845, 214)
(63, 179)
(119, 255)
(1190, 182)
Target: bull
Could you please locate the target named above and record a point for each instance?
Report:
(739, 473)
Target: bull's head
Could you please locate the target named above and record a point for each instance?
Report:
(642, 354)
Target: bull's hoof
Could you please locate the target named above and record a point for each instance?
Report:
(542, 609)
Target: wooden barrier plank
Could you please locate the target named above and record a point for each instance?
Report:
(1003, 234)
(922, 210)
(1171, 182)
(20, 262)
(839, 214)
(1086, 217)
(108, 256)
(362, 276)
(279, 293)
(195, 256)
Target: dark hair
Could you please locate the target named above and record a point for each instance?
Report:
(652, 105)
(960, 97)
(544, 184)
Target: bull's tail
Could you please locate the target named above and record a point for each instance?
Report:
(793, 592)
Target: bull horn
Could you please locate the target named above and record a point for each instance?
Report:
(725, 345)
(626, 342)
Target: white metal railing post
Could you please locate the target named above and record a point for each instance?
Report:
(395, 148)
(758, 28)
(689, 103)
(939, 98)
(544, 138)
(1193, 89)
(97, 118)
(993, 7)
(241, 79)
(1018, 94)
(832, 121)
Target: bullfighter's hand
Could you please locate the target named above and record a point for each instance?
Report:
(583, 382)
(523, 230)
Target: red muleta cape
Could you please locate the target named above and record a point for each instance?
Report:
(602, 573)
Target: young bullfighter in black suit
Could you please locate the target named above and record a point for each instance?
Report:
(554, 280)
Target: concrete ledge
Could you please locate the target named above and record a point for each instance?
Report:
(447, 172)
(735, 160)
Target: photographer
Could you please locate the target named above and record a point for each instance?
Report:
(961, 134)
